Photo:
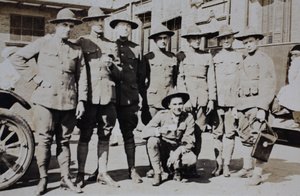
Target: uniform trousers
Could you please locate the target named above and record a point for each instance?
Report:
(225, 124)
(49, 122)
(101, 116)
(248, 131)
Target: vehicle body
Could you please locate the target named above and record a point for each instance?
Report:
(16, 140)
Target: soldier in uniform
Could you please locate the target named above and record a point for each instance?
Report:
(161, 66)
(170, 137)
(227, 63)
(61, 88)
(197, 77)
(127, 88)
(99, 54)
(256, 90)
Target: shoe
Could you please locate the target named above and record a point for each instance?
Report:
(93, 176)
(254, 180)
(243, 173)
(67, 184)
(135, 176)
(226, 171)
(150, 173)
(79, 182)
(177, 176)
(107, 180)
(41, 187)
(217, 171)
(156, 180)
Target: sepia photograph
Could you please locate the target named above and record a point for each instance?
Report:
(150, 97)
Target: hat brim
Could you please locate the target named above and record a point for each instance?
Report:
(241, 38)
(56, 21)
(226, 34)
(165, 102)
(85, 19)
(195, 34)
(169, 33)
(114, 23)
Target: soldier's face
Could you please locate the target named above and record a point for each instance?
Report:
(162, 40)
(194, 42)
(97, 25)
(63, 29)
(124, 29)
(226, 41)
(176, 105)
(251, 44)
(294, 55)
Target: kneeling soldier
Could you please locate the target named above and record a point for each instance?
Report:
(171, 137)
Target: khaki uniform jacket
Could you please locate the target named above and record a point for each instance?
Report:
(61, 72)
(227, 65)
(183, 135)
(197, 77)
(257, 82)
(101, 79)
(160, 75)
(129, 84)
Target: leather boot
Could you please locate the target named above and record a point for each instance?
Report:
(177, 175)
(67, 184)
(79, 182)
(254, 180)
(226, 171)
(227, 154)
(244, 173)
(134, 175)
(105, 179)
(41, 187)
(93, 176)
(218, 154)
(156, 180)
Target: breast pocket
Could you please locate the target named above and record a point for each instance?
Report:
(49, 58)
(232, 67)
(252, 71)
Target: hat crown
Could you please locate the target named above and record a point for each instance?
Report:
(159, 29)
(95, 11)
(225, 30)
(193, 30)
(172, 94)
(65, 14)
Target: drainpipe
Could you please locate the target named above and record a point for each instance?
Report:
(228, 12)
(247, 13)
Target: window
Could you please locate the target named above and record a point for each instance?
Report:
(145, 42)
(276, 16)
(174, 25)
(26, 28)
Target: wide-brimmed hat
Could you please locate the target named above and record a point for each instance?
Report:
(295, 50)
(160, 29)
(226, 30)
(174, 93)
(65, 15)
(95, 13)
(123, 18)
(249, 31)
(194, 30)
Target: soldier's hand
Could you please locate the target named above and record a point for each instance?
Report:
(80, 110)
(108, 61)
(188, 106)
(174, 157)
(261, 115)
(210, 107)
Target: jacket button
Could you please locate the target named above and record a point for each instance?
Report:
(62, 83)
(62, 72)
(100, 78)
(61, 63)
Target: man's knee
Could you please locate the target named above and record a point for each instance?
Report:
(152, 143)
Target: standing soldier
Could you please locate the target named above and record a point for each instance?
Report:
(160, 66)
(256, 90)
(99, 53)
(61, 82)
(128, 88)
(197, 78)
(227, 63)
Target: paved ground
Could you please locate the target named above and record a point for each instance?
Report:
(282, 174)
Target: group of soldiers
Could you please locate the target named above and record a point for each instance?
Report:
(94, 82)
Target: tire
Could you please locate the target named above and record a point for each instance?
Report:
(16, 147)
